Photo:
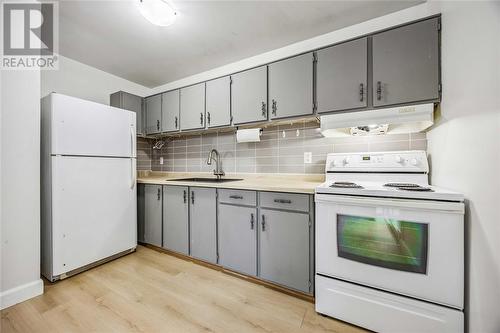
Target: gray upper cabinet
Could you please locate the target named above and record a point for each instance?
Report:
(249, 96)
(175, 219)
(238, 238)
(284, 248)
(341, 76)
(406, 64)
(203, 223)
(291, 87)
(193, 107)
(153, 214)
(153, 114)
(170, 111)
(218, 94)
(124, 100)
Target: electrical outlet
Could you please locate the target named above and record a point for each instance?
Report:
(308, 157)
(161, 160)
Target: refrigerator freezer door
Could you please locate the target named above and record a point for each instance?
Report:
(94, 207)
(85, 128)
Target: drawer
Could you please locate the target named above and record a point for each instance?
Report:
(288, 201)
(238, 197)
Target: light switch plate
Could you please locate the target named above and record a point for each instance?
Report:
(308, 157)
(161, 160)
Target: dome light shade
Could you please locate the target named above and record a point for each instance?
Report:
(158, 12)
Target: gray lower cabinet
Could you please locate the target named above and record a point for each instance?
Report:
(291, 87)
(153, 114)
(249, 96)
(153, 214)
(140, 212)
(406, 64)
(127, 101)
(203, 223)
(176, 219)
(170, 111)
(284, 248)
(218, 107)
(192, 108)
(237, 227)
(341, 76)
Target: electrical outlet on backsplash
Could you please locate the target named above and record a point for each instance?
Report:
(275, 153)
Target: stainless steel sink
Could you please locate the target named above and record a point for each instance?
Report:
(205, 180)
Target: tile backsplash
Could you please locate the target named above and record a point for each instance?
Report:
(281, 150)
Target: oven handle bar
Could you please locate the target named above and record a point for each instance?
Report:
(443, 206)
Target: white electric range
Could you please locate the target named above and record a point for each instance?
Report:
(389, 247)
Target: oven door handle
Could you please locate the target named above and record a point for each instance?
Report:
(443, 206)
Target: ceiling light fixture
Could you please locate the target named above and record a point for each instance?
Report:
(158, 12)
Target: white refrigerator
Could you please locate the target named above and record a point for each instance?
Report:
(88, 188)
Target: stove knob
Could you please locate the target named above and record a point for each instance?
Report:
(414, 162)
(346, 160)
(336, 163)
(398, 159)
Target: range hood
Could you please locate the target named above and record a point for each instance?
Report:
(401, 119)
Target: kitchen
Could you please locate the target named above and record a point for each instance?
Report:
(237, 161)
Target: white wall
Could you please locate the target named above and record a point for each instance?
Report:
(464, 145)
(79, 80)
(20, 186)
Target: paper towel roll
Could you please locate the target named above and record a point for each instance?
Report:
(248, 135)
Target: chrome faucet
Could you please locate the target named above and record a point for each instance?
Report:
(218, 167)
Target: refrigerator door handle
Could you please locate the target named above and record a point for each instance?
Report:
(132, 148)
(132, 174)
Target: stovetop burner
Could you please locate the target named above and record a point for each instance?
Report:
(345, 185)
(416, 189)
(406, 185)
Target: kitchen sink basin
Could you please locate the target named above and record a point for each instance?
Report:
(205, 180)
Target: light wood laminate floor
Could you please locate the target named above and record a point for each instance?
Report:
(149, 291)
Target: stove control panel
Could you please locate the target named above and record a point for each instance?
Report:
(414, 161)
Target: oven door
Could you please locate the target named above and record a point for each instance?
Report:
(409, 247)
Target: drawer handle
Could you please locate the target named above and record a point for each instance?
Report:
(379, 90)
(361, 92)
(275, 107)
(159, 193)
(283, 201)
(185, 196)
(176, 122)
(251, 221)
(236, 197)
(201, 118)
(264, 110)
(263, 223)
(192, 197)
(157, 125)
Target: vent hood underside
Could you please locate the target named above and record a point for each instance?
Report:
(402, 119)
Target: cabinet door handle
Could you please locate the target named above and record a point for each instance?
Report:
(379, 90)
(176, 121)
(185, 196)
(361, 92)
(157, 124)
(192, 197)
(283, 201)
(159, 193)
(264, 110)
(208, 117)
(251, 221)
(235, 197)
(263, 223)
(274, 107)
(201, 118)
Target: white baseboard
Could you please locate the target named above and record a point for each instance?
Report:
(20, 293)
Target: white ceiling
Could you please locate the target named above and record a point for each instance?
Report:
(114, 37)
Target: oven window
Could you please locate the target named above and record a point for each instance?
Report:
(384, 242)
